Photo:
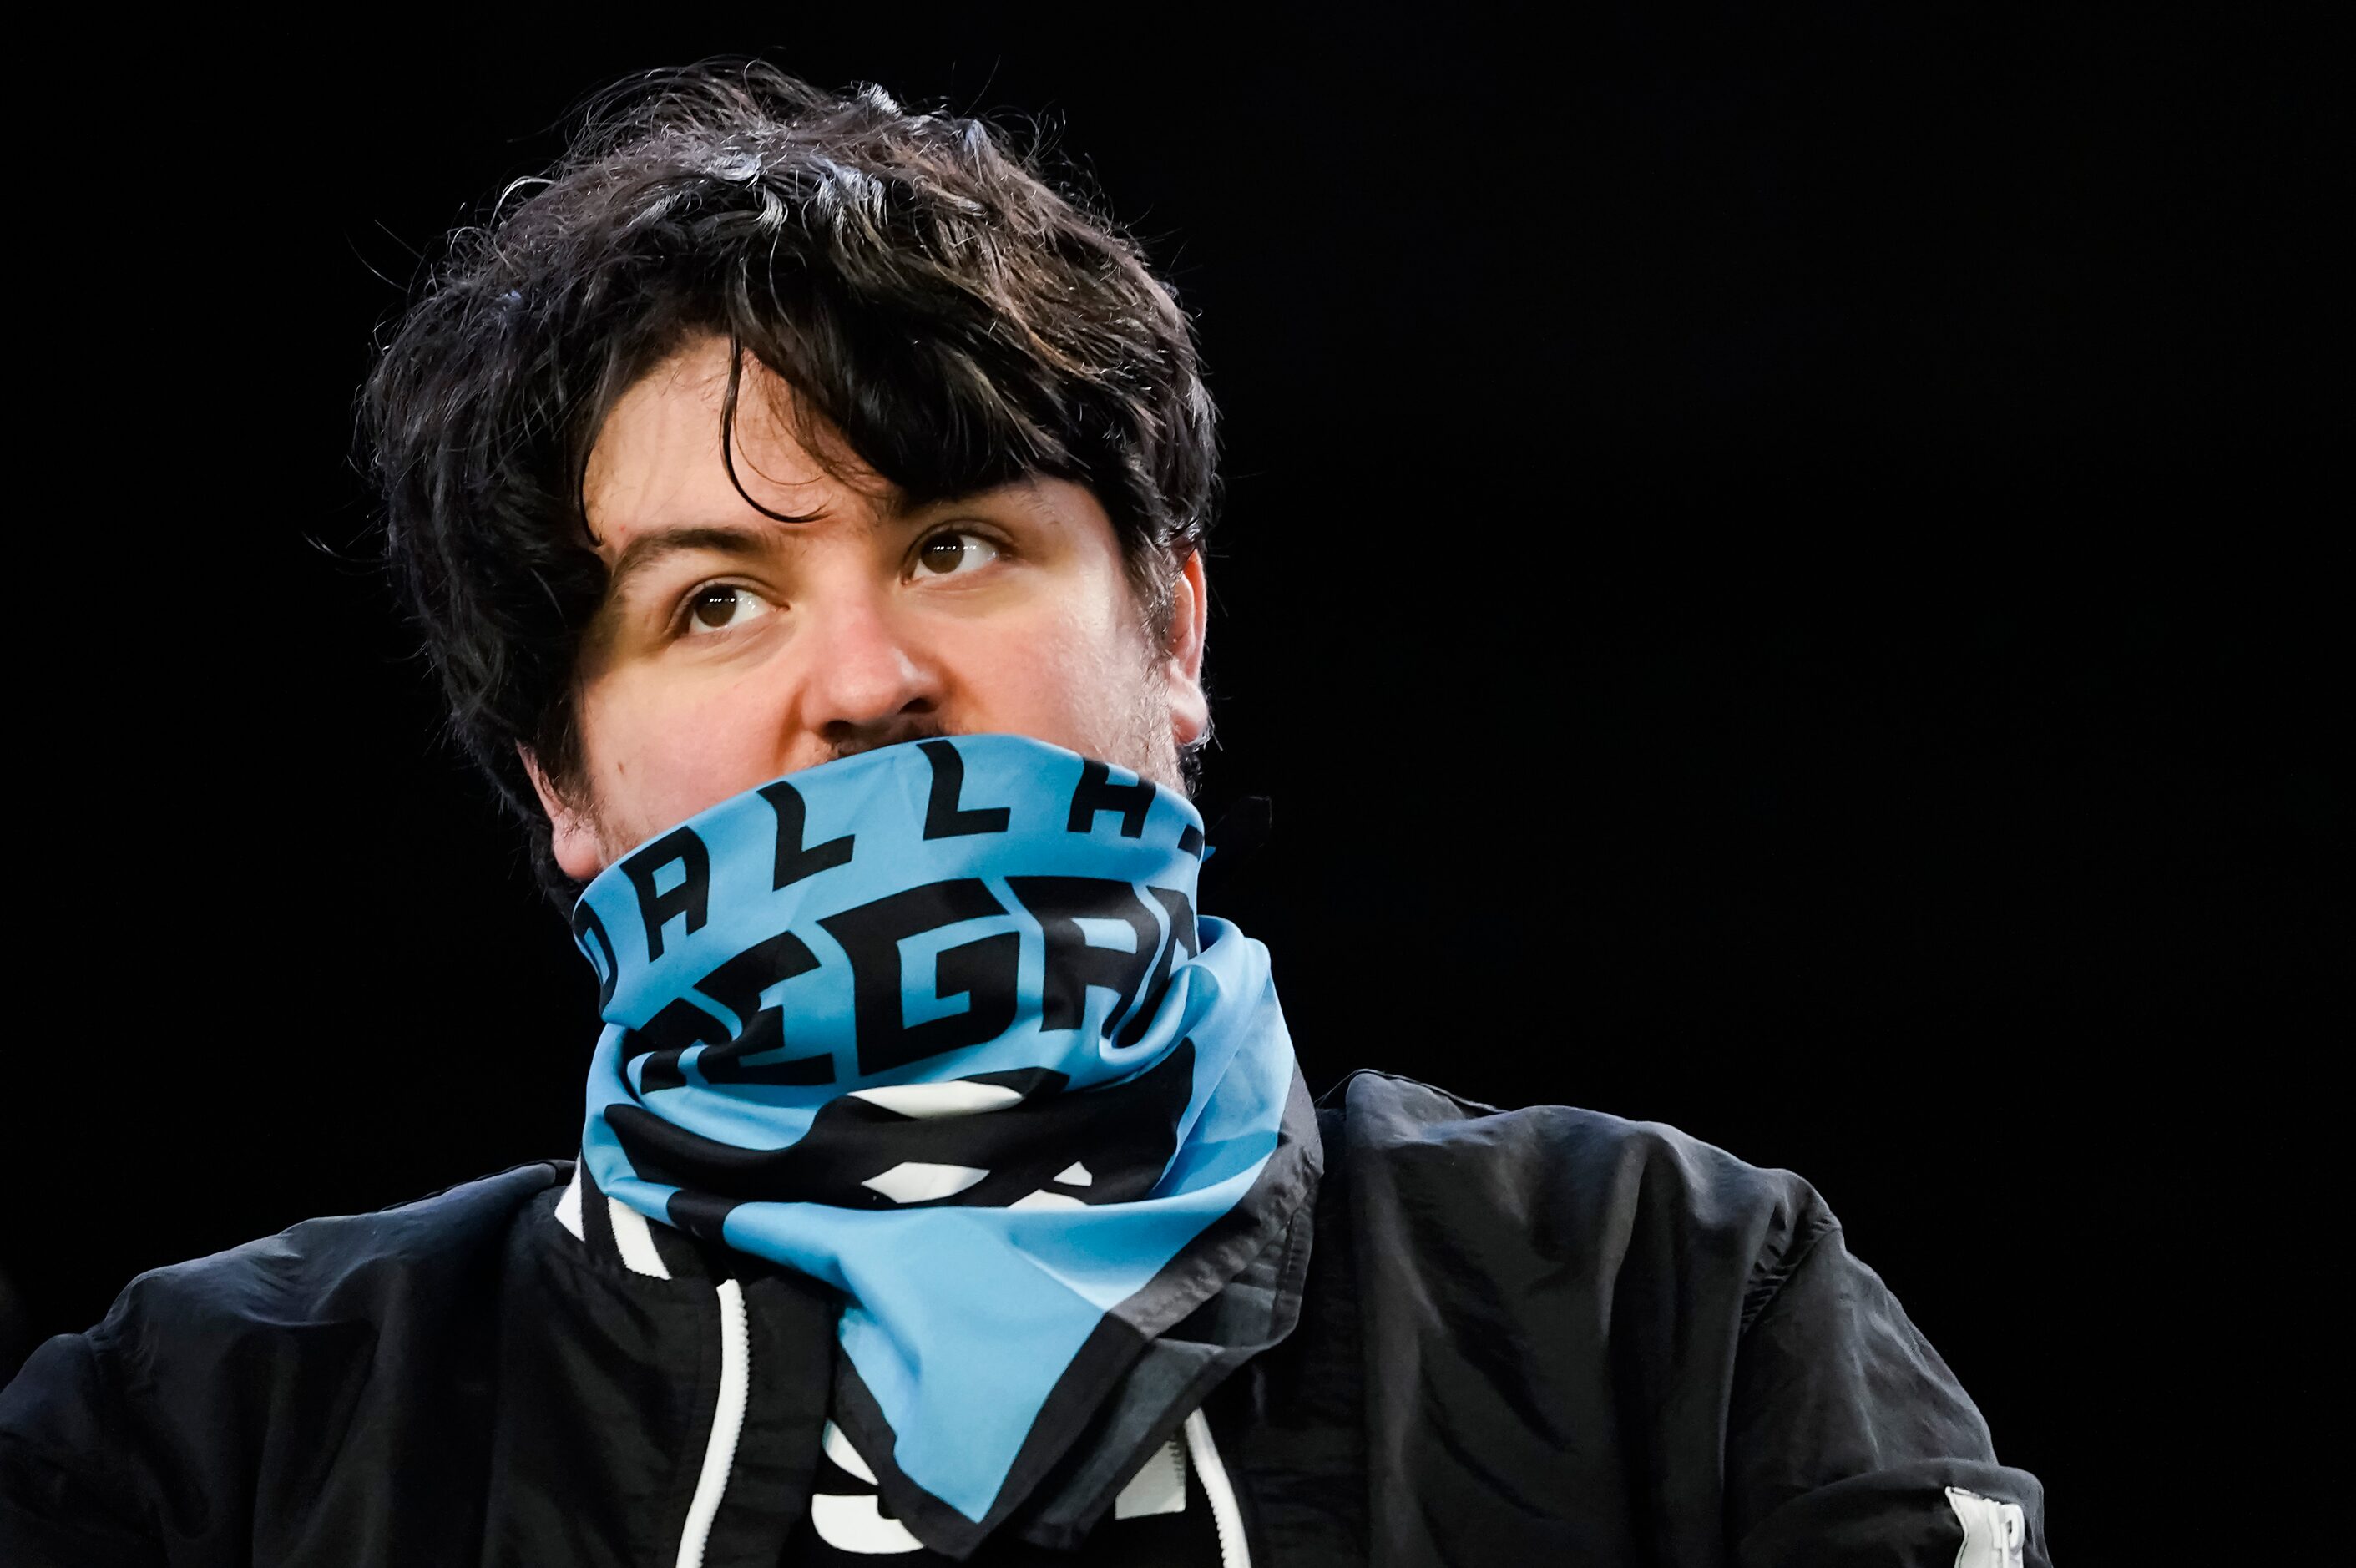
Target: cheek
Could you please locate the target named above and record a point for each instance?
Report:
(1053, 676)
(658, 758)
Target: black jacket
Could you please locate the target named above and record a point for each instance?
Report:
(1533, 1335)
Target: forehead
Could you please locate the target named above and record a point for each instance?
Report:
(657, 460)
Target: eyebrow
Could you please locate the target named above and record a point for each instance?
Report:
(742, 540)
(658, 544)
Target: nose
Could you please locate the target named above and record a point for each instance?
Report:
(865, 682)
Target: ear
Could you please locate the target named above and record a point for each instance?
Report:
(578, 846)
(1190, 609)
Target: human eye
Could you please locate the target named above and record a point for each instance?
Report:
(720, 606)
(953, 551)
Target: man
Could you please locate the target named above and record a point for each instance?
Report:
(804, 506)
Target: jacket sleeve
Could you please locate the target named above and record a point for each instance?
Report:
(1851, 1442)
(67, 1493)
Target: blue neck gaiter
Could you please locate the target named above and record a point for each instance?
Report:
(938, 1026)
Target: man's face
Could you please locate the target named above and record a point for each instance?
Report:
(733, 648)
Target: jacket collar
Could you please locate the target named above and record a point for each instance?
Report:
(617, 1239)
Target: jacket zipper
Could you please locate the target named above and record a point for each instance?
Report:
(727, 1425)
(1227, 1519)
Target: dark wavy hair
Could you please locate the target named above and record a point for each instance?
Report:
(918, 282)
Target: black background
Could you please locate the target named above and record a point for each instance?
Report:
(1781, 571)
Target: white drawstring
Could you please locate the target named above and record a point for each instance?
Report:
(727, 1425)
